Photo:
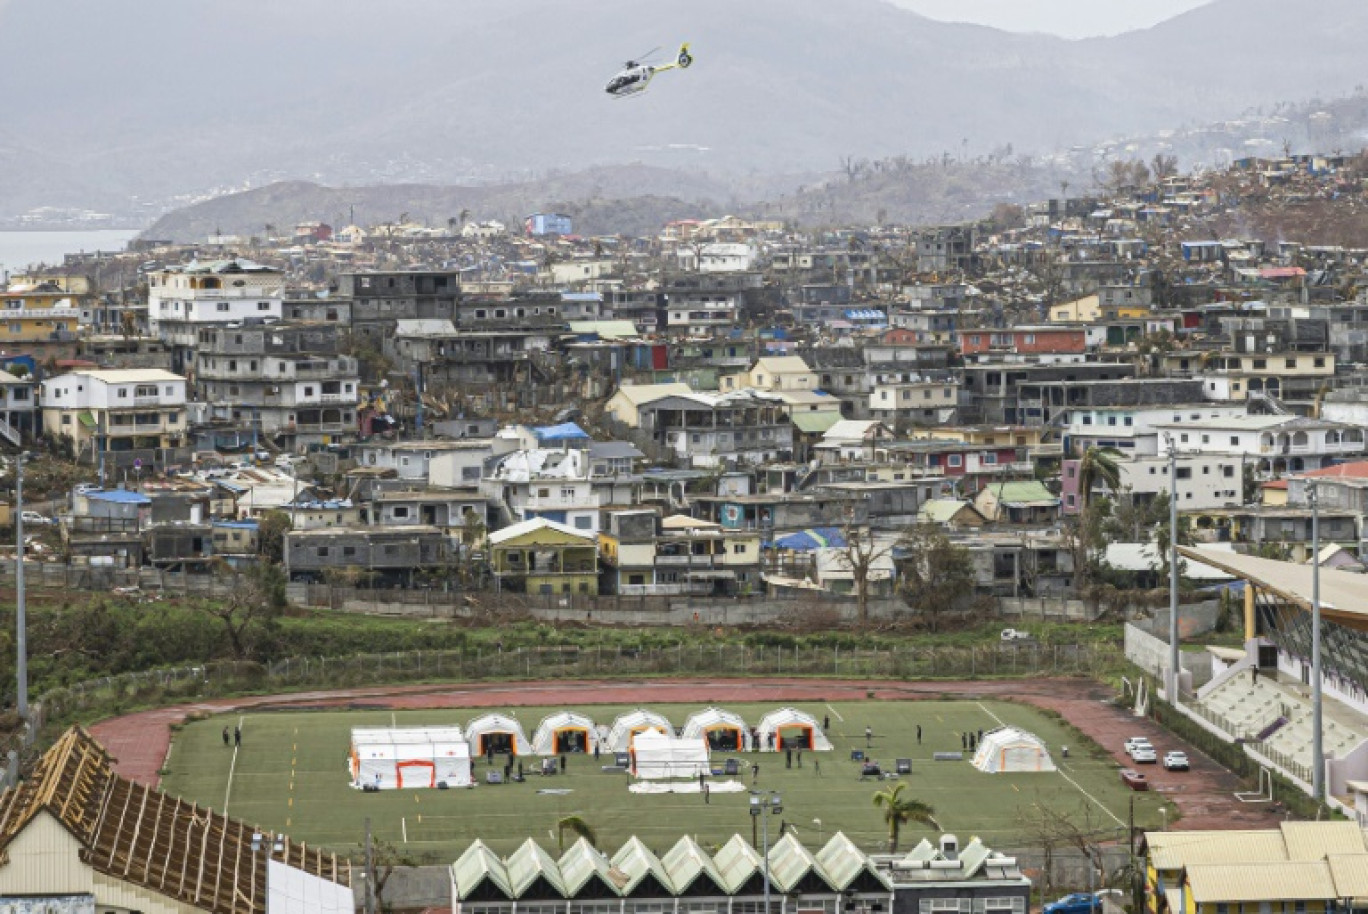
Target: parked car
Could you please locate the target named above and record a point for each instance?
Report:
(34, 519)
(1015, 634)
(1144, 755)
(1137, 742)
(1134, 779)
(1077, 903)
(1176, 761)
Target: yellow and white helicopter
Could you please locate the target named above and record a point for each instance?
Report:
(636, 75)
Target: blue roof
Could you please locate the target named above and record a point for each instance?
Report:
(237, 524)
(566, 431)
(581, 296)
(120, 496)
(813, 538)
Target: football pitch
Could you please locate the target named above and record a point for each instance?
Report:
(291, 775)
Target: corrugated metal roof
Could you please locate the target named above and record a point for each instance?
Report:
(528, 863)
(1314, 840)
(582, 863)
(1255, 882)
(636, 861)
(1174, 850)
(686, 861)
(474, 867)
(790, 863)
(737, 862)
(1350, 872)
(841, 863)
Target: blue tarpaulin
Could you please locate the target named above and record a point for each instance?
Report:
(566, 431)
(812, 538)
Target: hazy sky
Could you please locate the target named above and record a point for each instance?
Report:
(1069, 18)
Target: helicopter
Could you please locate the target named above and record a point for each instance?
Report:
(636, 75)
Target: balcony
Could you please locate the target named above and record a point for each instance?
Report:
(686, 561)
(153, 401)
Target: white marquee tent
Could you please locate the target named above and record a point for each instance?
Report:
(723, 730)
(564, 731)
(633, 723)
(497, 732)
(789, 728)
(659, 756)
(393, 758)
(1012, 750)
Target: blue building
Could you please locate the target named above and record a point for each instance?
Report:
(548, 224)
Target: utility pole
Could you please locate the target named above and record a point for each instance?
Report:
(370, 872)
(1172, 686)
(1317, 747)
(20, 603)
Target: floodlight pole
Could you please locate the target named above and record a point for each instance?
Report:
(1317, 748)
(762, 807)
(1172, 685)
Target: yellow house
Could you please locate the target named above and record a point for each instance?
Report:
(787, 372)
(625, 403)
(1273, 494)
(1083, 310)
(544, 557)
(41, 311)
(1253, 871)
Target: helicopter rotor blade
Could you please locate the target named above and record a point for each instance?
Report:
(642, 58)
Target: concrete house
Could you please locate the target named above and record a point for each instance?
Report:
(540, 556)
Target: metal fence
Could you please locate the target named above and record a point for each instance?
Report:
(115, 694)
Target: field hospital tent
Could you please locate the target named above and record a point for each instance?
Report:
(791, 729)
(659, 756)
(564, 731)
(1010, 749)
(496, 732)
(628, 726)
(395, 757)
(723, 730)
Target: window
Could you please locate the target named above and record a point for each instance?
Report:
(543, 493)
(1183, 438)
(1235, 440)
(1185, 472)
(584, 523)
(1290, 363)
(1087, 419)
(1206, 439)
(1128, 421)
(222, 306)
(738, 549)
(349, 550)
(401, 511)
(1319, 362)
(1111, 420)
(1260, 363)
(322, 552)
(123, 392)
(989, 459)
(263, 306)
(1228, 471)
(955, 460)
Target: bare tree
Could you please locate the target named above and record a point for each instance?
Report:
(937, 575)
(864, 558)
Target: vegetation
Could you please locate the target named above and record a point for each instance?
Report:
(577, 826)
(938, 576)
(898, 810)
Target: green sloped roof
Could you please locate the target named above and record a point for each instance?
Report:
(637, 862)
(529, 862)
(815, 423)
(841, 862)
(686, 861)
(1023, 491)
(87, 419)
(582, 863)
(923, 852)
(737, 863)
(790, 863)
(474, 867)
(972, 856)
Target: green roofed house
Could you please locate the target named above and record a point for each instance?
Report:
(1020, 502)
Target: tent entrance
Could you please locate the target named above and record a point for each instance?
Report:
(570, 740)
(724, 739)
(795, 736)
(425, 776)
(497, 742)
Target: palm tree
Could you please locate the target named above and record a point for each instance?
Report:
(899, 810)
(577, 826)
(1098, 465)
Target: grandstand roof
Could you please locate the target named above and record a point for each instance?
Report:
(1343, 594)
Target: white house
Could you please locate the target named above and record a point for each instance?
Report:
(131, 409)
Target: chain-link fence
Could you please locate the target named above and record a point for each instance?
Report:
(116, 694)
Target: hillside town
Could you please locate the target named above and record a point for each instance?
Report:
(1143, 405)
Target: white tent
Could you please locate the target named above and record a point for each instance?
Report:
(497, 732)
(564, 731)
(1008, 749)
(789, 728)
(723, 730)
(391, 758)
(658, 756)
(628, 726)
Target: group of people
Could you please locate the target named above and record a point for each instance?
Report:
(235, 740)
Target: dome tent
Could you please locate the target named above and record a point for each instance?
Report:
(496, 732)
(724, 730)
(628, 725)
(390, 758)
(564, 731)
(1008, 749)
(789, 728)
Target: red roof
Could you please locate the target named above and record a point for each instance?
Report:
(1275, 484)
(1355, 470)
(1282, 272)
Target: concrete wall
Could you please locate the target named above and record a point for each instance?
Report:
(1151, 654)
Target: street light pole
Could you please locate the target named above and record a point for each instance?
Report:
(1172, 685)
(1317, 748)
(764, 807)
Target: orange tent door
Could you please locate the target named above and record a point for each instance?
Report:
(418, 779)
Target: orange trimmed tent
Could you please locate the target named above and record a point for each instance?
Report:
(564, 732)
(791, 729)
(723, 730)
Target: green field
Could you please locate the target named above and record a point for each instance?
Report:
(291, 775)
